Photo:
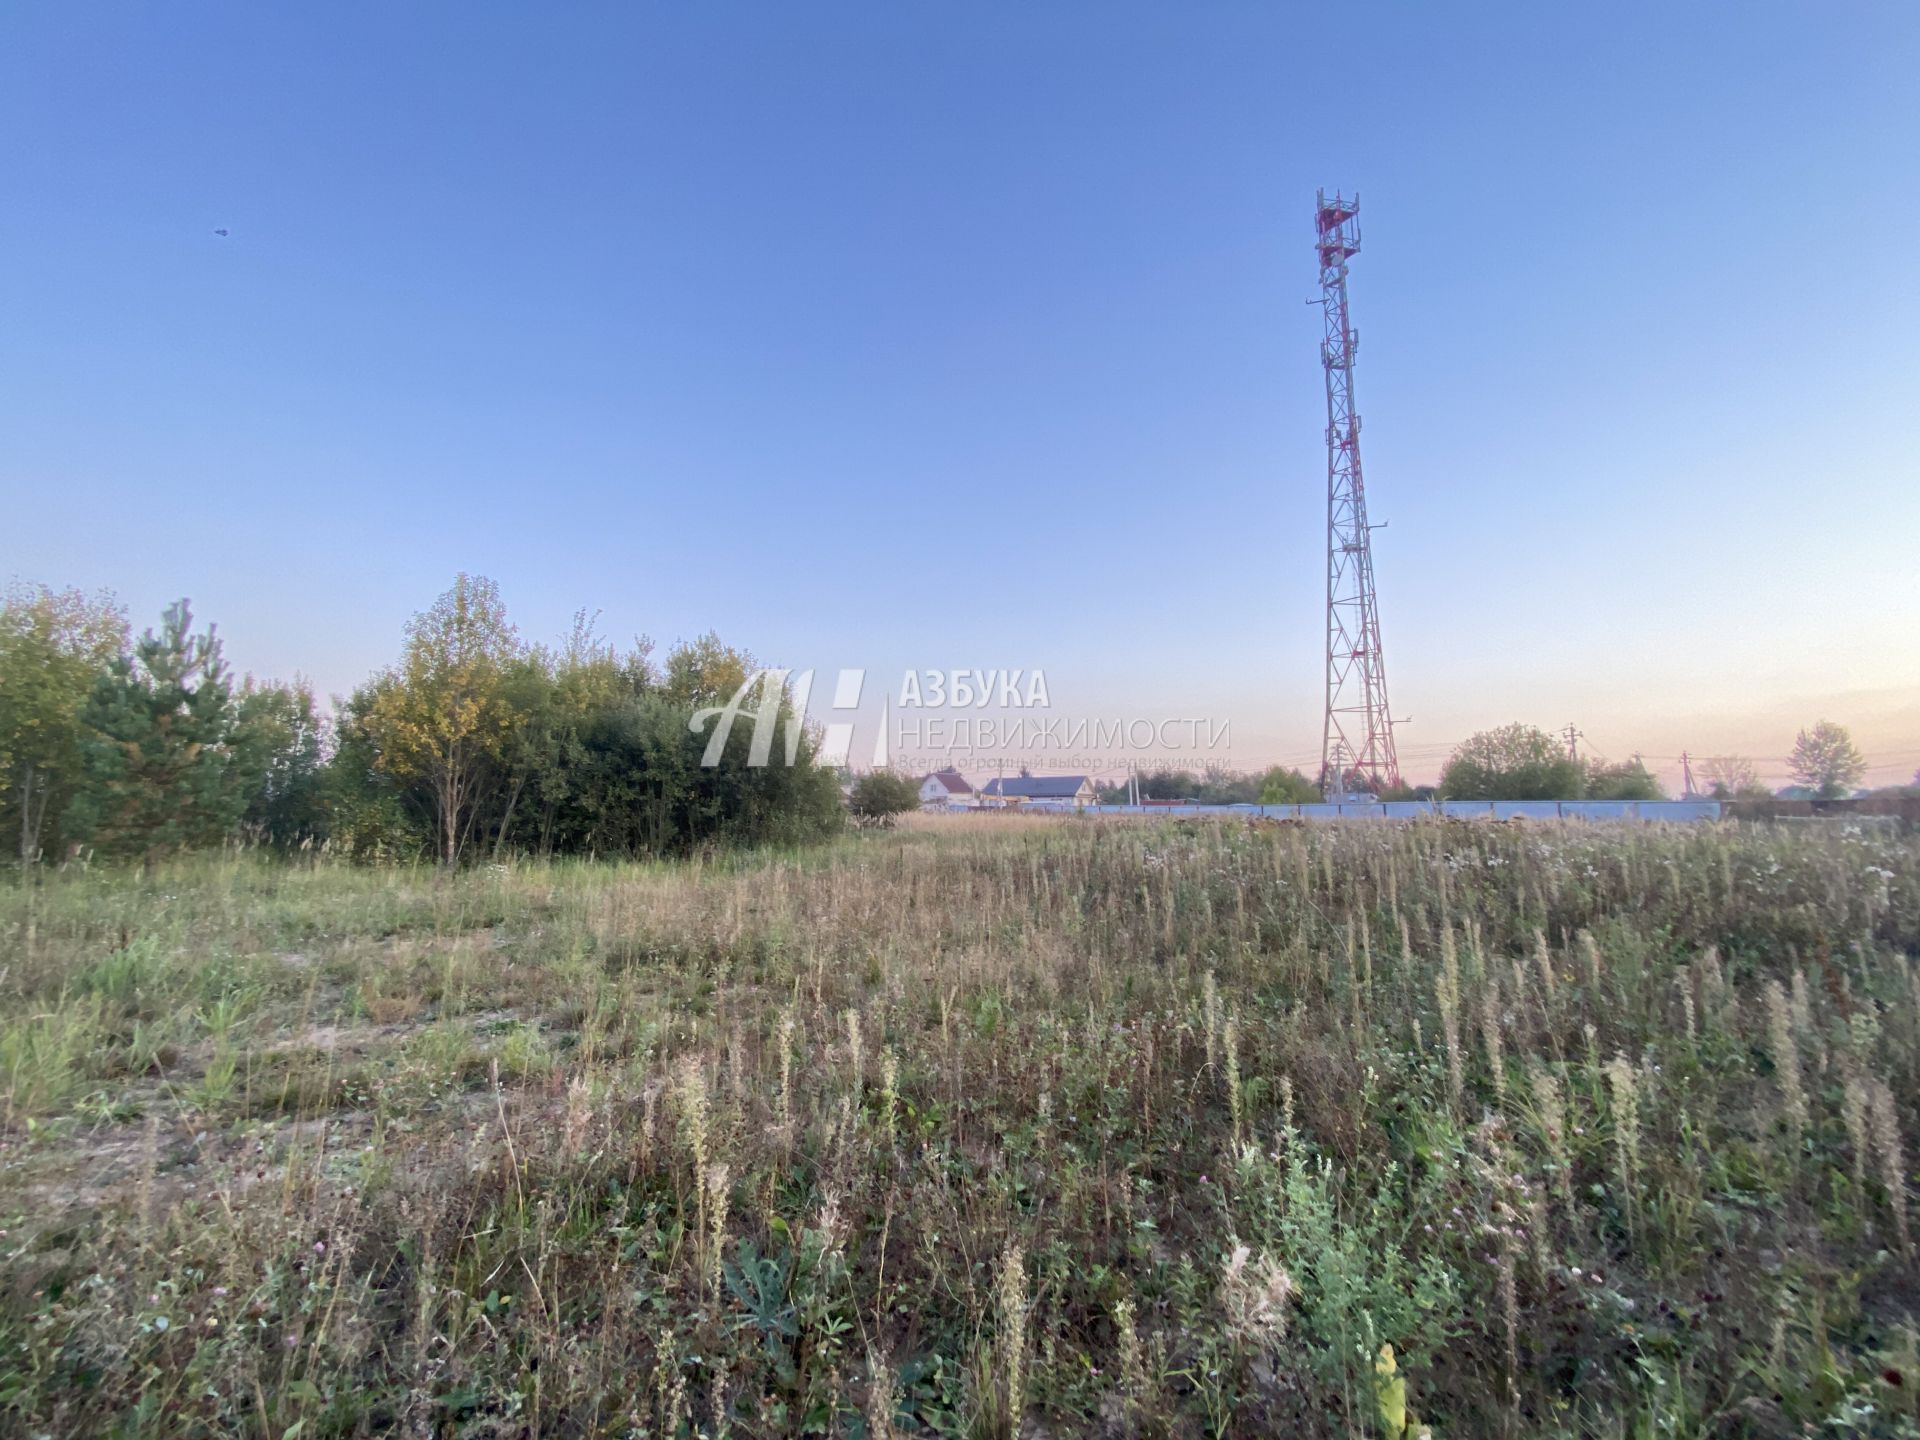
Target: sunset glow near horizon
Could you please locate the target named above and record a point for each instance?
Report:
(912, 339)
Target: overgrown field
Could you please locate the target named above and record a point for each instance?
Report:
(1064, 1129)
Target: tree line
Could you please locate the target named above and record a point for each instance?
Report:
(1215, 785)
(473, 744)
(1523, 762)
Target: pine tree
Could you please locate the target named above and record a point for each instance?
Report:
(159, 771)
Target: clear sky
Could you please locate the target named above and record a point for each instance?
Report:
(914, 335)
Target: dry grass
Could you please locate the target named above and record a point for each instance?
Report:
(994, 1124)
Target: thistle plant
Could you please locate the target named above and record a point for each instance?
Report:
(1855, 1109)
(1231, 1055)
(691, 1096)
(1590, 954)
(579, 1115)
(1893, 1165)
(855, 1053)
(1621, 1081)
(1785, 1054)
(784, 1041)
(1543, 963)
(1210, 1014)
(880, 1396)
(1713, 981)
(1255, 1294)
(1446, 994)
(1010, 1292)
(1132, 1364)
(1549, 1102)
(719, 1179)
(1490, 1035)
(889, 1093)
(1802, 1007)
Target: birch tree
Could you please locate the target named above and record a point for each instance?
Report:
(445, 719)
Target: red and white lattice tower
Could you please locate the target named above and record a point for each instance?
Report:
(1356, 748)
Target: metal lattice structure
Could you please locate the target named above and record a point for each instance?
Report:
(1356, 748)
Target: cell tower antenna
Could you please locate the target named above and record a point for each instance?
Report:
(1356, 746)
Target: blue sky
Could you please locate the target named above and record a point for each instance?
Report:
(935, 336)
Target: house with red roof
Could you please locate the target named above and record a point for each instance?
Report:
(947, 790)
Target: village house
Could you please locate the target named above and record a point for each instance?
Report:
(947, 790)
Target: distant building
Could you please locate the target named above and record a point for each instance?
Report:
(1045, 792)
(945, 790)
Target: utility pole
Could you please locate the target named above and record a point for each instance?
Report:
(1338, 766)
(1356, 743)
(1686, 775)
(1574, 737)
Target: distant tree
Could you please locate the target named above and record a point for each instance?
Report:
(373, 815)
(1281, 785)
(478, 739)
(879, 795)
(1221, 786)
(1825, 761)
(580, 681)
(1168, 785)
(1515, 762)
(445, 719)
(54, 646)
(1400, 791)
(158, 756)
(1628, 780)
(279, 751)
(705, 672)
(1733, 777)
